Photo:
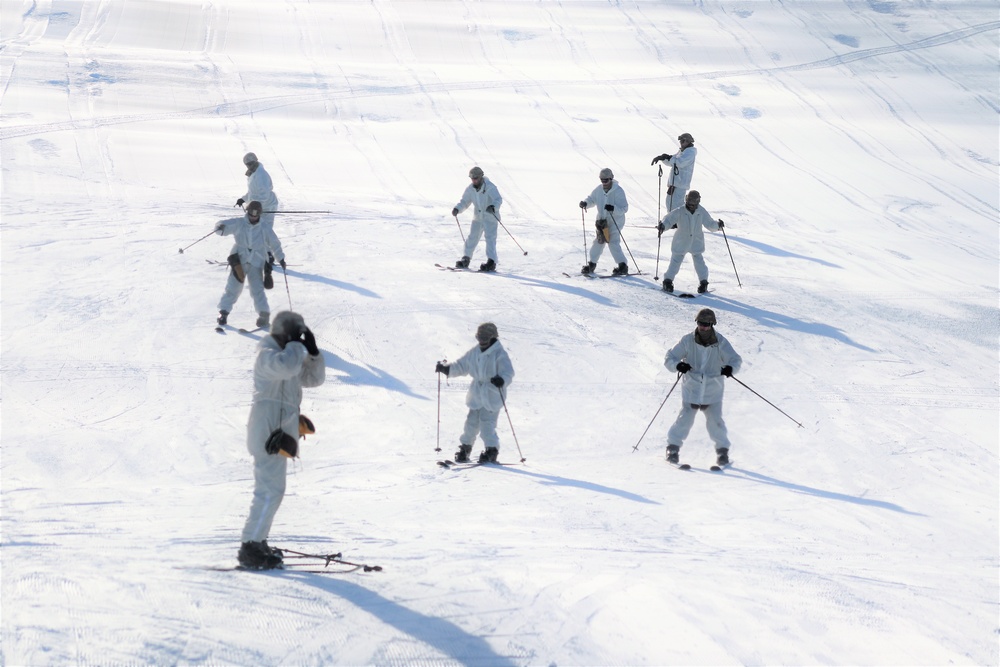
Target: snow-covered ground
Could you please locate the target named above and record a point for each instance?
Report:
(852, 149)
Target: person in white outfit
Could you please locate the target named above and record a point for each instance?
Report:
(287, 360)
(485, 199)
(690, 221)
(253, 243)
(612, 205)
(260, 188)
(681, 166)
(492, 373)
(704, 357)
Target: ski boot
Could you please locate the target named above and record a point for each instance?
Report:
(263, 320)
(721, 457)
(223, 317)
(668, 285)
(620, 270)
(673, 454)
(278, 553)
(489, 455)
(463, 263)
(255, 556)
(702, 287)
(489, 266)
(462, 455)
(589, 268)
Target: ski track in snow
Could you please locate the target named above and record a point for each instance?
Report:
(851, 149)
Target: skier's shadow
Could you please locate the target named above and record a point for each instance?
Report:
(566, 289)
(554, 480)
(740, 473)
(366, 375)
(330, 281)
(441, 634)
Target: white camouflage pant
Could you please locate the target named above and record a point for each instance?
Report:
(485, 223)
(481, 422)
(253, 275)
(268, 491)
(713, 420)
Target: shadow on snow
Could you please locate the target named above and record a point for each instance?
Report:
(443, 635)
(819, 493)
(366, 375)
(330, 281)
(554, 480)
(778, 252)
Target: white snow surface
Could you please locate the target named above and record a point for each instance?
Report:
(852, 149)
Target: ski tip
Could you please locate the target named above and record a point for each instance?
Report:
(685, 466)
(220, 330)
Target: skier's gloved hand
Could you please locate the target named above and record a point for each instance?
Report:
(454, 212)
(673, 226)
(309, 340)
(659, 229)
(282, 264)
(727, 371)
(240, 202)
(683, 367)
(441, 368)
(583, 204)
(490, 209)
(497, 381)
(658, 158)
(609, 207)
(721, 224)
(219, 228)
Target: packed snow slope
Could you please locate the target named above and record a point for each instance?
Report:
(851, 148)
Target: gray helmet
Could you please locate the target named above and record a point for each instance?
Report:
(607, 173)
(288, 324)
(255, 206)
(705, 315)
(486, 332)
(249, 158)
(686, 136)
(475, 172)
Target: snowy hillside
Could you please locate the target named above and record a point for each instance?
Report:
(850, 146)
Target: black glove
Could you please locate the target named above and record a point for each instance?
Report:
(497, 381)
(673, 226)
(727, 371)
(239, 202)
(583, 204)
(609, 207)
(659, 158)
(441, 368)
(490, 209)
(721, 224)
(309, 340)
(659, 229)
(454, 212)
(283, 265)
(219, 228)
(683, 367)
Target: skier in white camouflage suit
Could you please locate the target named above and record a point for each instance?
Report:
(260, 188)
(612, 205)
(704, 357)
(287, 360)
(253, 242)
(681, 165)
(690, 221)
(492, 373)
(485, 199)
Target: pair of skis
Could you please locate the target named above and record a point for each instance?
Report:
(714, 468)
(466, 270)
(451, 465)
(222, 328)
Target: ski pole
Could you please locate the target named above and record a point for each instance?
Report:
(181, 250)
(733, 377)
(287, 291)
(438, 448)
(583, 221)
(298, 212)
(658, 411)
(333, 558)
(659, 200)
(509, 234)
(723, 230)
(511, 426)
(622, 236)
(460, 229)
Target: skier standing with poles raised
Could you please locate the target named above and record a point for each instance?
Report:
(612, 205)
(260, 188)
(492, 372)
(681, 170)
(703, 357)
(485, 199)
